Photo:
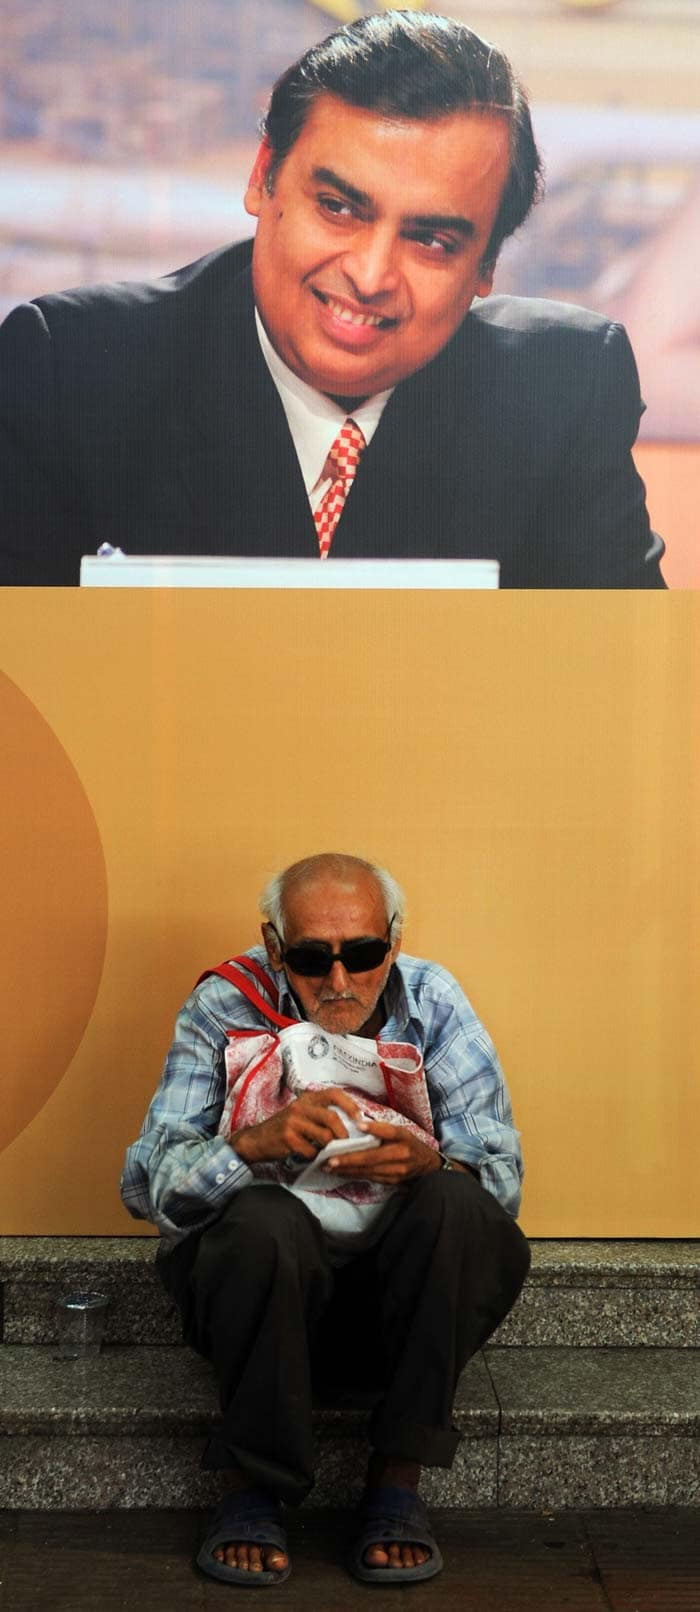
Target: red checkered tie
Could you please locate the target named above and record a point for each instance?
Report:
(343, 461)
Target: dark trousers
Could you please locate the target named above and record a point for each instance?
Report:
(260, 1298)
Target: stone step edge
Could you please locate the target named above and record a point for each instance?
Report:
(511, 1474)
(139, 1390)
(488, 1419)
(556, 1317)
(555, 1262)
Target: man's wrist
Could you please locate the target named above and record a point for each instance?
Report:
(243, 1144)
(446, 1163)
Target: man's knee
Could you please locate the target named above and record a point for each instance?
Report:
(453, 1203)
(260, 1231)
(507, 1246)
(452, 1196)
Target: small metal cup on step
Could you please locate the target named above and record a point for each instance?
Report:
(80, 1325)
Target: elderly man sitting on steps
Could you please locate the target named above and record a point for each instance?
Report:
(331, 1162)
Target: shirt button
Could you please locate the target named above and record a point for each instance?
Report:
(233, 1165)
(220, 1177)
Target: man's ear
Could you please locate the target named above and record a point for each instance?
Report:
(485, 283)
(395, 946)
(272, 945)
(257, 182)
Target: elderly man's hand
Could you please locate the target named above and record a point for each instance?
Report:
(401, 1157)
(304, 1127)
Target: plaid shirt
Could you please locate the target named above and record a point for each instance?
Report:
(180, 1174)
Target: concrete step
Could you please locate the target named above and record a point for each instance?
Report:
(579, 1294)
(541, 1427)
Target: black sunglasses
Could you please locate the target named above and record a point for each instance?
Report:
(315, 958)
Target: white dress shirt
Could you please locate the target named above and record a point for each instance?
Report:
(314, 420)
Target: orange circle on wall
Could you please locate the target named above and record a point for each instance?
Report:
(54, 887)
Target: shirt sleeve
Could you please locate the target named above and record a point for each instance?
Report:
(180, 1173)
(471, 1105)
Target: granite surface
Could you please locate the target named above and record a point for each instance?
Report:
(555, 1473)
(521, 1473)
(99, 1473)
(612, 1420)
(617, 1262)
(476, 1408)
(654, 1317)
(549, 1474)
(36, 1271)
(64, 1474)
(471, 1479)
(574, 1391)
(139, 1310)
(555, 1261)
(578, 1293)
(540, 1427)
(122, 1391)
(54, 1255)
(127, 1428)
(134, 1391)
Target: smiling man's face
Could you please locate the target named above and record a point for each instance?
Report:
(369, 250)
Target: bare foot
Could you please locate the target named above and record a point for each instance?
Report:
(386, 1473)
(253, 1558)
(246, 1556)
(394, 1555)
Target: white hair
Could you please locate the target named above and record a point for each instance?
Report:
(342, 867)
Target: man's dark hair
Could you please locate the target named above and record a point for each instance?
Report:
(408, 64)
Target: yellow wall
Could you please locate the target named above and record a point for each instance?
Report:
(526, 764)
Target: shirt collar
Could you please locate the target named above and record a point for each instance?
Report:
(314, 419)
(400, 1005)
(287, 1004)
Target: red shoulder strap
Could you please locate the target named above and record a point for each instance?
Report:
(251, 967)
(230, 972)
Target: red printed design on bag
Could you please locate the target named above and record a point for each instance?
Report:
(266, 1072)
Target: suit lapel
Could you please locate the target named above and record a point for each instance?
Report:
(441, 476)
(239, 462)
(405, 500)
(427, 485)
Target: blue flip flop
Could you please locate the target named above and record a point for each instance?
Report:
(251, 1517)
(387, 1515)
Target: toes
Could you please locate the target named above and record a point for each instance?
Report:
(275, 1560)
(236, 1555)
(414, 1555)
(395, 1555)
(376, 1556)
(252, 1558)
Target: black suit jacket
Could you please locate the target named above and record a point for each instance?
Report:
(145, 416)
